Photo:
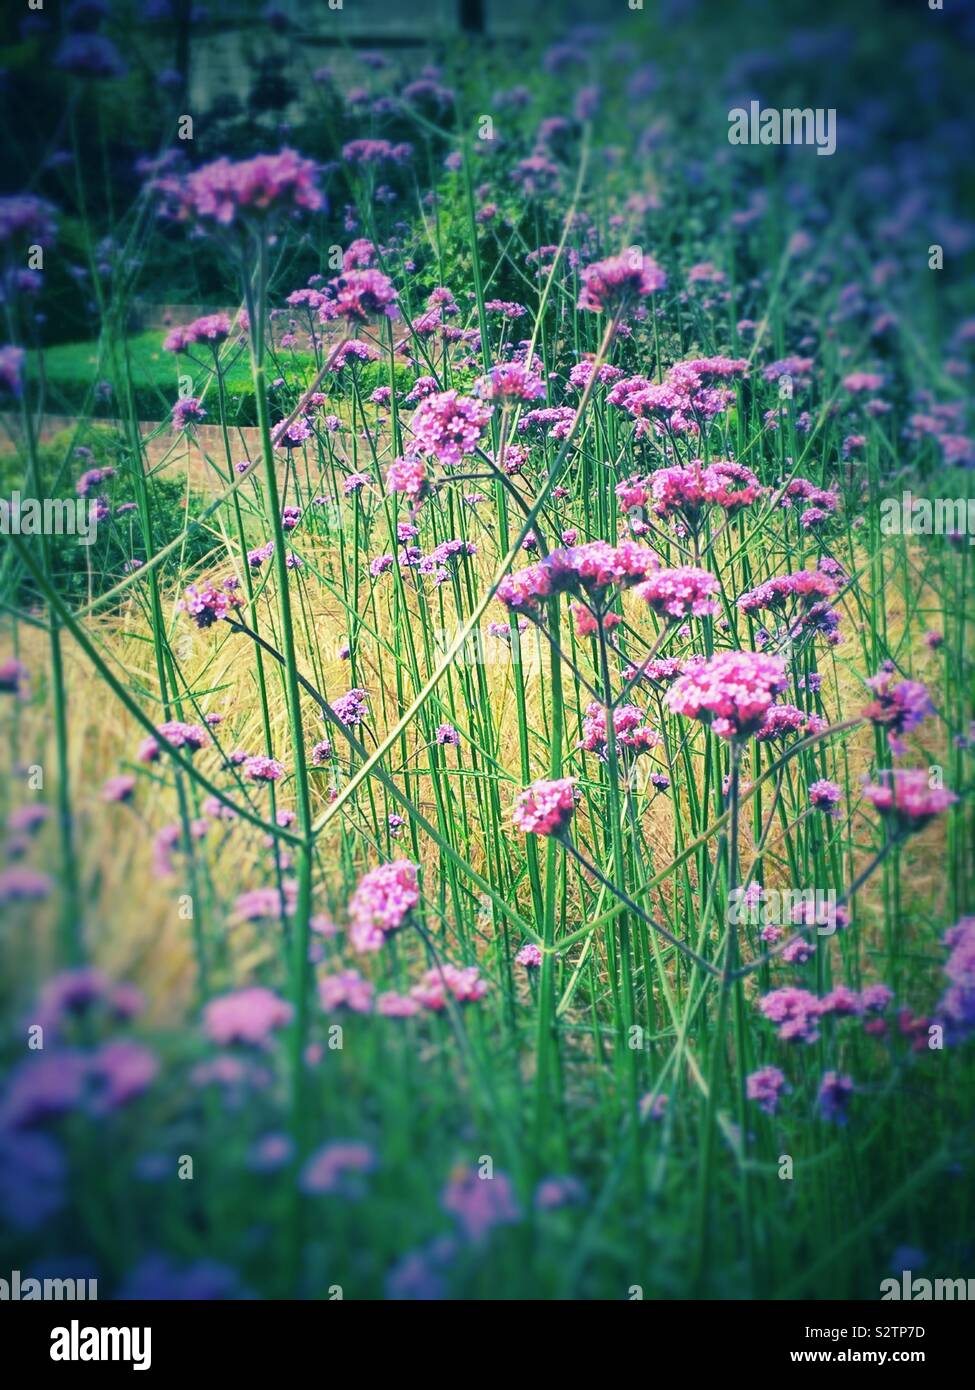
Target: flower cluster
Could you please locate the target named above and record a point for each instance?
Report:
(447, 426)
(546, 807)
(358, 296)
(381, 903)
(957, 1004)
(612, 285)
(897, 708)
(732, 692)
(629, 723)
(685, 592)
(207, 604)
(907, 799)
(223, 191)
(592, 568)
(211, 330)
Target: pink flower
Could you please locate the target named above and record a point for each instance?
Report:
(221, 191)
(464, 985)
(688, 492)
(898, 708)
(392, 1005)
(448, 425)
(407, 475)
(529, 956)
(262, 769)
(732, 692)
(765, 1087)
(480, 1203)
(680, 593)
(629, 723)
(825, 796)
(783, 720)
(345, 990)
(545, 808)
(610, 286)
(358, 296)
(587, 624)
(381, 903)
(906, 797)
(511, 381)
(328, 1169)
(863, 381)
(246, 1016)
(795, 1011)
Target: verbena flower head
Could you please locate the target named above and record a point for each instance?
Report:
(957, 1005)
(261, 768)
(511, 381)
(465, 986)
(629, 722)
(408, 476)
(835, 1094)
(596, 568)
(11, 371)
(690, 395)
(529, 956)
(732, 692)
(612, 285)
(906, 798)
(546, 807)
(245, 1016)
(765, 1087)
(797, 592)
(119, 789)
(447, 426)
(224, 191)
(685, 493)
(480, 1205)
(186, 410)
(898, 708)
(784, 721)
(345, 990)
(358, 296)
(382, 903)
(825, 796)
(188, 736)
(795, 1012)
(207, 604)
(684, 592)
(335, 1168)
(211, 330)
(351, 709)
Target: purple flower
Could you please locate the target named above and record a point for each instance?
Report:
(330, 1168)
(448, 426)
(766, 1087)
(480, 1203)
(220, 193)
(381, 903)
(835, 1093)
(350, 709)
(825, 796)
(612, 285)
(246, 1016)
